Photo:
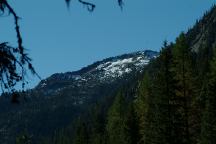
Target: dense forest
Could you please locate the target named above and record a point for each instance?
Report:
(172, 102)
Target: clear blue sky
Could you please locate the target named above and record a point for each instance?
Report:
(59, 40)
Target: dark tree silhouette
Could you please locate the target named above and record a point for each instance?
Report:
(14, 61)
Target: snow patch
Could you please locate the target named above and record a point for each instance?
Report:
(119, 67)
(43, 84)
(128, 70)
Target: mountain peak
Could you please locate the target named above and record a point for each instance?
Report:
(104, 71)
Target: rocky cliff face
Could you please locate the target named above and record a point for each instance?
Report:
(203, 34)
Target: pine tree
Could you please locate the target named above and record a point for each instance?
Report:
(132, 126)
(62, 138)
(163, 93)
(98, 126)
(23, 139)
(142, 109)
(82, 133)
(208, 131)
(185, 90)
(154, 102)
(116, 121)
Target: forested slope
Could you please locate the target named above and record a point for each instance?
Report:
(173, 102)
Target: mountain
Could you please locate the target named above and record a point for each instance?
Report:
(61, 98)
(57, 100)
(101, 72)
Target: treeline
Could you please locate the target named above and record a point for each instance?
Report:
(173, 103)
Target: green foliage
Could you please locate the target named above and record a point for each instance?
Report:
(185, 90)
(82, 133)
(97, 125)
(142, 107)
(162, 98)
(23, 139)
(132, 125)
(116, 121)
(208, 132)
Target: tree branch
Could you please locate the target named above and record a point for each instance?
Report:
(16, 19)
(121, 4)
(90, 6)
(13, 59)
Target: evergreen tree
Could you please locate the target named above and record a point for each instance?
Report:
(61, 138)
(116, 121)
(184, 91)
(158, 92)
(142, 109)
(163, 94)
(132, 126)
(82, 133)
(98, 126)
(208, 132)
(23, 139)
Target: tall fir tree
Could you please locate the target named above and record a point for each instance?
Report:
(208, 130)
(97, 132)
(116, 121)
(163, 94)
(82, 133)
(144, 113)
(132, 125)
(185, 91)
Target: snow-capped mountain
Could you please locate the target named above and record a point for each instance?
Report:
(120, 66)
(105, 71)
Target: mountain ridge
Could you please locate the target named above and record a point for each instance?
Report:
(85, 68)
(106, 70)
(59, 99)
